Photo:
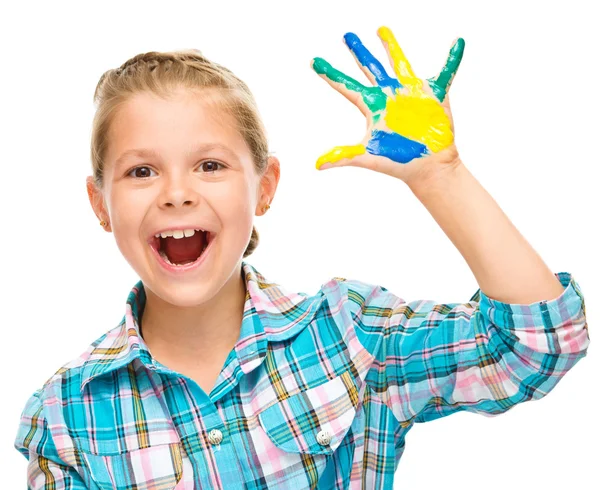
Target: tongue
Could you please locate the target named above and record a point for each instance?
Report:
(181, 250)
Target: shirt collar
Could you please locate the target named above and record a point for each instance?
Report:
(271, 314)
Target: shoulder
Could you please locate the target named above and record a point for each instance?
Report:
(363, 299)
(46, 412)
(64, 382)
(361, 310)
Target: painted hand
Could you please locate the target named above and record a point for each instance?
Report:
(409, 122)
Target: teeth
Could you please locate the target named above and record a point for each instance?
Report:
(178, 233)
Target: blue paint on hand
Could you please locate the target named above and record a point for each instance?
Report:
(395, 146)
(364, 56)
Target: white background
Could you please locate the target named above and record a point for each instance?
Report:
(526, 110)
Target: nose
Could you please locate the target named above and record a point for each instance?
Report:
(177, 192)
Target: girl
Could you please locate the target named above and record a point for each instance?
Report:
(217, 377)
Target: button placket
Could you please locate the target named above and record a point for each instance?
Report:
(215, 437)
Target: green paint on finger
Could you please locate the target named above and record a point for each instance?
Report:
(441, 83)
(373, 97)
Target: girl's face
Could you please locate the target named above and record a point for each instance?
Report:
(180, 163)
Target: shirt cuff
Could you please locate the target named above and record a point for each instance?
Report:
(561, 320)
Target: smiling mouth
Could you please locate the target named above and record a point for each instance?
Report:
(182, 251)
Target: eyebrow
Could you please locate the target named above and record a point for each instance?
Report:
(146, 152)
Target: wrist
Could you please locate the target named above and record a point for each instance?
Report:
(437, 177)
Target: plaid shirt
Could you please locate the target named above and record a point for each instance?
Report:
(318, 392)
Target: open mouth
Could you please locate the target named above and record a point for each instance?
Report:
(178, 252)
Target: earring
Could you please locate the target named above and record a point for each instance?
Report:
(266, 207)
(103, 223)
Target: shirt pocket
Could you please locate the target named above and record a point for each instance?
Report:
(158, 467)
(314, 421)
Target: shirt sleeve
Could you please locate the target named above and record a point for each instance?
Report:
(482, 356)
(45, 469)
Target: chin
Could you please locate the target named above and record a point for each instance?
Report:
(192, 287)
(185, 295)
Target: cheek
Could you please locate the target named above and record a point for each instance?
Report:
(236, 215)
(127, 214)
(236, 205)
(126, 232)
(237, 220)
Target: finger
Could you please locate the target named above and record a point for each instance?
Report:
(337, 153)
(370, 65)
(367, 161)
(402, 67)
(337, 77)
(367, 99)
(446, 76)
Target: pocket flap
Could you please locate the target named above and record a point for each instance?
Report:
(152, 467)
(314, 421)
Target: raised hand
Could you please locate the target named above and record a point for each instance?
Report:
(409, 122)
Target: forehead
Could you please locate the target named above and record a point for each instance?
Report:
(182, 121)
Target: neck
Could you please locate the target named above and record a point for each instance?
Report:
(202, 332)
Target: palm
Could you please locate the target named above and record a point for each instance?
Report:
(406, 118)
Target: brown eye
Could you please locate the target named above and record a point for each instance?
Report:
(140, 172)
(214, 166)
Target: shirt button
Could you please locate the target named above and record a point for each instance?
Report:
(215, 436)
(323, 438)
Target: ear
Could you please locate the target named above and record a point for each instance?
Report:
(268, 184)
(97, 201)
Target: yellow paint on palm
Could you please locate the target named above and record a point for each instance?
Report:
(340, 152)
(420, 118)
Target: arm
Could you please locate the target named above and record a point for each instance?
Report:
(504, 264)
(410, 136)
(484, 355)
(46, 469)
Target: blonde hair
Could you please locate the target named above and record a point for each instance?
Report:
(161, 73)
